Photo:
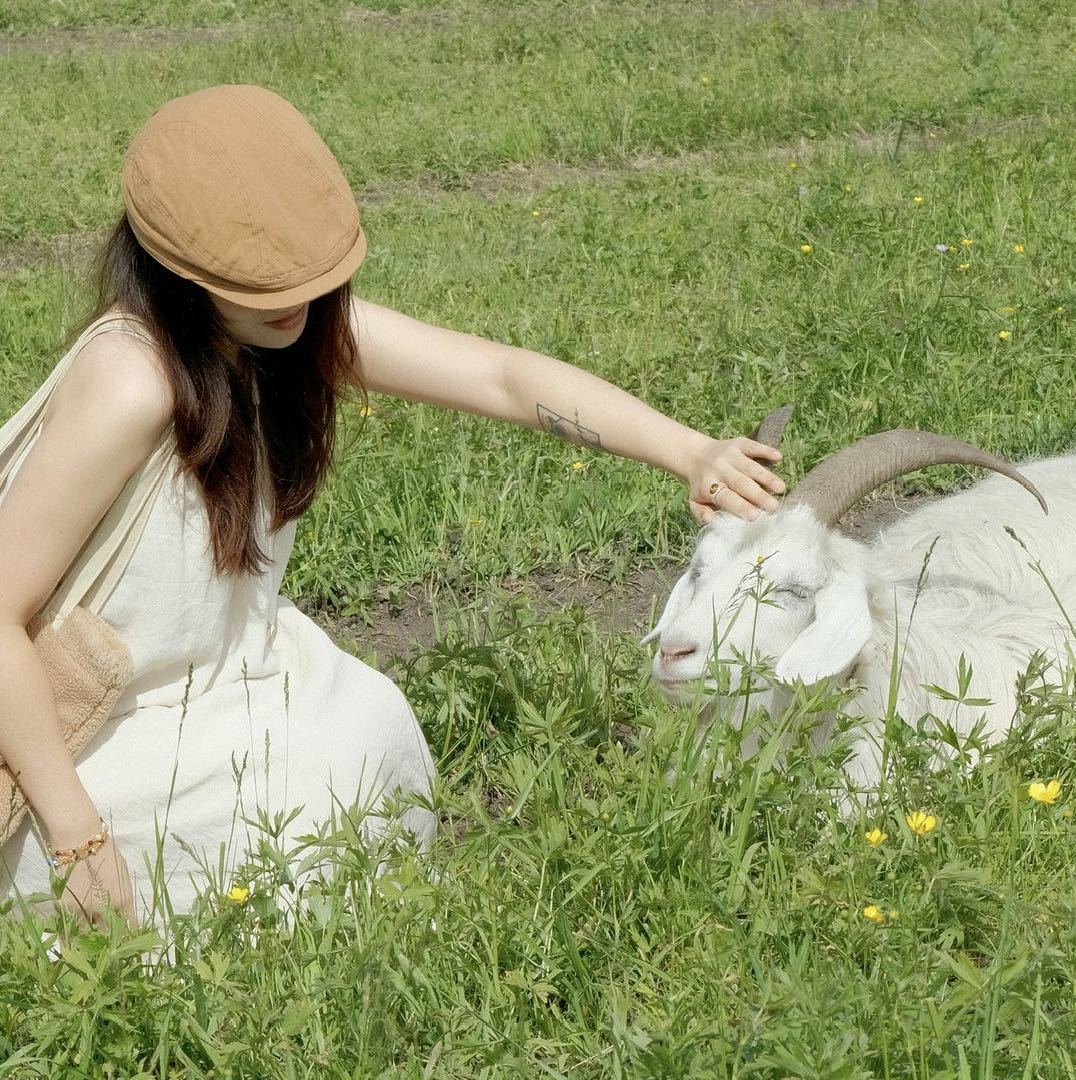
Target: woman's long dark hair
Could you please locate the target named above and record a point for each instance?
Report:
(215, 418)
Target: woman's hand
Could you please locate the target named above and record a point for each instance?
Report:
(726, 475)
(96, 881)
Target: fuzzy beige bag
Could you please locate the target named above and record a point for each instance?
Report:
(87, 662)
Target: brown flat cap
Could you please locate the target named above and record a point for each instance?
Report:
(231, 187)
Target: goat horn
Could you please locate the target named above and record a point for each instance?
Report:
(771, 429)
(837, 482)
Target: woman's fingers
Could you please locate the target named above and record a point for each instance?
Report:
(742, 495)
(751, 492)
(746, 462)
(761, 475)
(727, 498)
(738, 505)
(753, 449)
(737, 482)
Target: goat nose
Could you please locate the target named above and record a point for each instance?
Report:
(674, 651)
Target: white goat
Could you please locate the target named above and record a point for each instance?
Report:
(835, 605)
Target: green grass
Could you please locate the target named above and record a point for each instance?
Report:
(594, 914)
(601, 916)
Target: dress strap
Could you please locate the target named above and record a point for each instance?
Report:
(100, 563)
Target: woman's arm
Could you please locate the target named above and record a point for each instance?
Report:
(580, 407)
(411, 359)
(100, 425)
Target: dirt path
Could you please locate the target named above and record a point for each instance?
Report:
(106, 37)
(409, 626)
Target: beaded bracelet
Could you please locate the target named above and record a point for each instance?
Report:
(57, 857)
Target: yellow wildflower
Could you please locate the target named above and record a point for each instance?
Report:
(474, 521)
(366, 410)
(847, 187)
(238, 893)
(536, 213)
(806, 249)
(577, 466)
(963, 266)
(1004, 335)
(1060, 309)
(920, 822)
(704, 79)
(966, 242)
(1044, 793)
(917, 199)
(760, 559)
(875, 836)
(1018, 249)
(793, 165)
(874, 913)
(932, 134)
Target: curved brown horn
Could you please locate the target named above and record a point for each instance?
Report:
(840, 480)
(772, 427)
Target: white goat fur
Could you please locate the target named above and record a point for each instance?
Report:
(980, 598)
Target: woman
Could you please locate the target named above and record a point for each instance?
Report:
(224, 311)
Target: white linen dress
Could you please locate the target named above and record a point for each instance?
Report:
(345, 729)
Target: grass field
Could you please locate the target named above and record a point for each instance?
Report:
(862, 208)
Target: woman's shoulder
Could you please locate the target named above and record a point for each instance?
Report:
(126, 323)
(124, 362)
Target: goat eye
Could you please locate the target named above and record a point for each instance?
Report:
(798, 591)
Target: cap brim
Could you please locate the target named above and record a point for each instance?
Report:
(262, 300)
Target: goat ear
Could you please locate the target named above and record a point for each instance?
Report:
(841, 627)
(672, 608)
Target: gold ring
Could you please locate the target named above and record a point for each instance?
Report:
(717, 487)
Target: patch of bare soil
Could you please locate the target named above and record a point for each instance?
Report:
(100, 38)
(59, 40)
(404, 625)
(884, 508)
(72, 250)
(66, 39)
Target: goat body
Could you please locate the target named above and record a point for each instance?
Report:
(836, 606)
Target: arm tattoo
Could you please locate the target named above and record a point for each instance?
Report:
(564, 428)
